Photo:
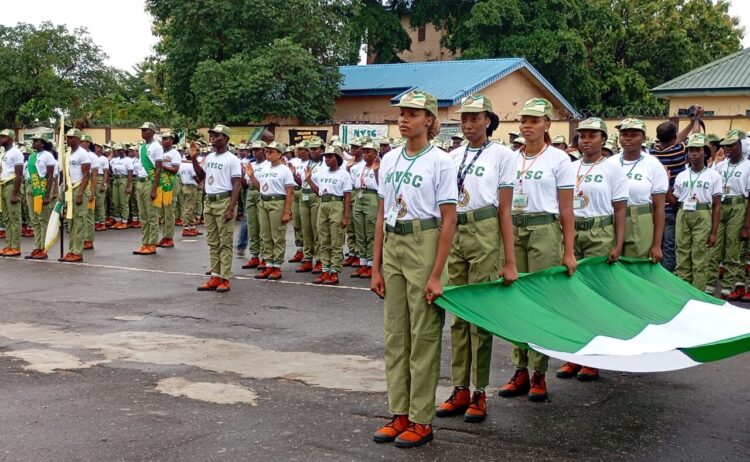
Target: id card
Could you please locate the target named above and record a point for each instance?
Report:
(390, 219)
(690, 205)
(359, 194)
(520, 201)
(305, 197)
(578, 202)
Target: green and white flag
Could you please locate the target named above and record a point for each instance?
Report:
(630, 316)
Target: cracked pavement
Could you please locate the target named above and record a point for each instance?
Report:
(108, 333)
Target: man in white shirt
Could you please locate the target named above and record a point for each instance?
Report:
(79, 169)
(222, 172)
(11, 176)
(151, 155)
(169, 168)
(40, 190)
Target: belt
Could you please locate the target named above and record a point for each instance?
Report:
(307, 190)
(273, 197)
(216, 197)
(368, 191)
(472, 216)
(190, 186)
(585, 224)
(699, 207)
(119, 176)
(331, 198)
(639, 210)
(142, 180)
(298, 188)
(733, 200)
(407, 227)
(533, 219)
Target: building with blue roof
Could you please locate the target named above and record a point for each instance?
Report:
(367, 92)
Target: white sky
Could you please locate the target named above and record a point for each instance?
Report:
(122, 28)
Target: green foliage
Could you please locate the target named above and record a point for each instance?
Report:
(232, 39)
(47, 68)
(598, 53)
(379, 27)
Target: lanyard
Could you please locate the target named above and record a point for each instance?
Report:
(622, 164)
(462, 172)
(692, 181)
(413, 160)
(365, 168)
(728, 174)
(523, 166)
(579, 178)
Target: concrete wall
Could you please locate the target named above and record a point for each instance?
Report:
(721, 105)
(428, 50)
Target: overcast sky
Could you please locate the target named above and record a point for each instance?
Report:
(123, 29)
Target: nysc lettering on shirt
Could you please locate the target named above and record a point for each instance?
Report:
(408, 178)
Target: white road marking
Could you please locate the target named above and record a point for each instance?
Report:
(182, 273)
(48, 361)
(219, 393)
(128, 318)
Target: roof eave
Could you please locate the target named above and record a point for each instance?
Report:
(701, 92)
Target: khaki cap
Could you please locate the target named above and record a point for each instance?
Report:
(259, 145)
(148, 126)
(221, 130)
(475, 103)
(335, 150)
(417, 99)
(632, 124)
(697, 140)
(315, 142)
(732, 137)
(559, 139)
(593, 123)
(76, 133)
(537, 107)
(276, 146)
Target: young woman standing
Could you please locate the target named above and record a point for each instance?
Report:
(365, 176)
(647, 188)
(600, 200)
(308, 209)
(482, 246)
(276, 186)
(413, 237)
(122, 185)
(543, 218)
(333, 185)
(698, 191)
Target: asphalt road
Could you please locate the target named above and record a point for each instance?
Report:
(120, 358)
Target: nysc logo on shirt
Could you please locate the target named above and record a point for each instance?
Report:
(329, 180)
(591, 178)
(477, 170)
(269, 175)
(698, 184)
(530, 175)
(214, 165)
(635, 176)
(404, 178)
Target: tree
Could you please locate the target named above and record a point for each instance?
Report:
(598, 53)
(47, 68)
(243, 88)
(379, 27)
(203, 35)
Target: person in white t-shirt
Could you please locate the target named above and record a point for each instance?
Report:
(600, 202)
(135, 221)
(189, 190)
(735, 174)
(169, 167)
(365, 183)
(334, 186)
(79, 169)
(648, 182)
(308, 208)
(698, 191)
(222, 172)
(298, 162)
(122, 185)
(276, 185)
(353, 162)
(151, 156)
(252, 206)
(100, 213)
(543, 218)
(413, 235)
(87, 143)
(11, 178)
(40, 191)
(482, 249)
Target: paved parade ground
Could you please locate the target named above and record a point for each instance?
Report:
(120, 358)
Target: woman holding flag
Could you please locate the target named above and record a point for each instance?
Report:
(40, 192)
(77, 195)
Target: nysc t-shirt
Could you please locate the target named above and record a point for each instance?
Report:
(220, 169)
(494, 169)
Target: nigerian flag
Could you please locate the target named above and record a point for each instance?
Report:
(630, 316)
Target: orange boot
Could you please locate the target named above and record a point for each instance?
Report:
(359, 272)
(297, 257)
(305, 267)
(333, 279)
(538, 390)
(414, 436)
(322, 278)
(211, 284)
(88, 245)
(456, 404)
(275, 274)
(568, 371)
(252, 263)
(477, 410)
(264, 274)
(318, 268)
(224, 286)
(587, 374)
(518, 384)
(390, 431)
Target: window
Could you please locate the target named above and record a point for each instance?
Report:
(421, 32)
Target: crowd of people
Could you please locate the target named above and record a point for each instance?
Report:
(410, 215)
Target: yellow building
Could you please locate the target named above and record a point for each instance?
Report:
(721, 87)
(367, 92)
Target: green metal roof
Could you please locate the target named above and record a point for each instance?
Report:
(728, 75)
